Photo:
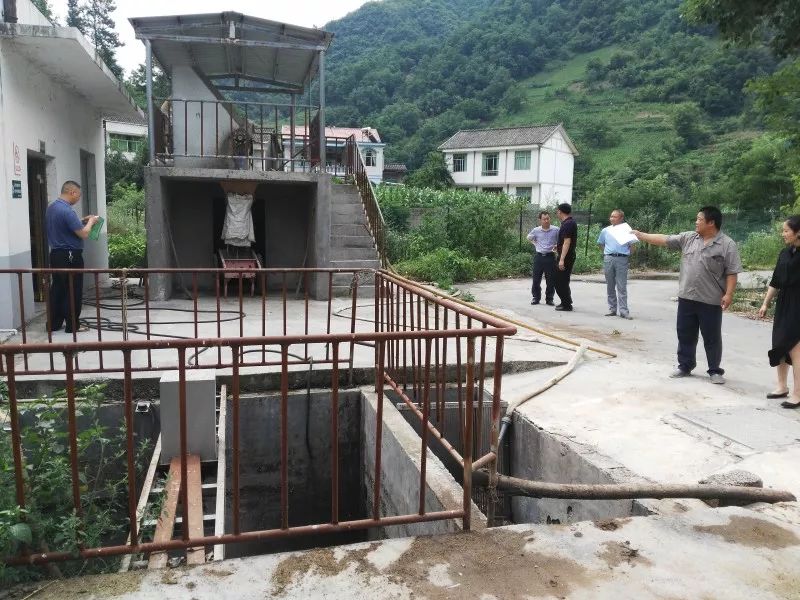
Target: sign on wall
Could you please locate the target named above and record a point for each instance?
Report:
(17, 160)
(16, 188)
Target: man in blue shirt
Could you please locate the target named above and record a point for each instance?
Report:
(65, 235)
(615, 267)
(544, 239)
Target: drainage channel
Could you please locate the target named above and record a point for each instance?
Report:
(529, 453)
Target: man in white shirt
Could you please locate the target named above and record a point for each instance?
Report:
(544, 239)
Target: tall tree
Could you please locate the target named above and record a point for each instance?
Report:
(75, 16)
(93, 19)
(747, 21)
(137, 84)
(44, 8)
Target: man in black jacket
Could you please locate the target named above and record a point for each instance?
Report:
(567, 243)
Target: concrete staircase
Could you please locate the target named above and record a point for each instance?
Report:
(352, 245)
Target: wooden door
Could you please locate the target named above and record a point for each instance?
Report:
(37, 204)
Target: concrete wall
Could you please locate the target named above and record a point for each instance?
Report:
(187, 119)
(28, 14)
(400, 473)
(36, 110)
(309, 468)
(537, 455)
(185, 207)
(556, 165)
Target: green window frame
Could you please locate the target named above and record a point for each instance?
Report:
(522, 160)
(491, 164)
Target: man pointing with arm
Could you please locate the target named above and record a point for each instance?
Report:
(709, 266)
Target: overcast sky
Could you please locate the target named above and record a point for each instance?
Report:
(308, 13)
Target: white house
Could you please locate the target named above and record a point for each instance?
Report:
(533, 162)
(367, 138)
(127, 136)
(54, 91)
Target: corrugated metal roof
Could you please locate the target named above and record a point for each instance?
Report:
(534, 135)
(230, 44)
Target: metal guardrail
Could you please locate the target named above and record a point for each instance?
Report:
(357, 171)
(413, 333)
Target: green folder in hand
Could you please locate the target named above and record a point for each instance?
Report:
(94, 232)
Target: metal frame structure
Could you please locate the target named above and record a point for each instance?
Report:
(231, 51)
(413, 333)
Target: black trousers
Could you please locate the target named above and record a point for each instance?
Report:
(562, 280)
(64, 285)
(543, 264)
(695, 318)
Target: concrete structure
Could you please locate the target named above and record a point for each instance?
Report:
(127, 136)
(201, 416)
(367, 138)
(534, 162)
(55, 91)
(734, 553)
(300, 218)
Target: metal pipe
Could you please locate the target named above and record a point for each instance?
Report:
(632, 491)
(250, 536)
(151, 118)
(322, 156)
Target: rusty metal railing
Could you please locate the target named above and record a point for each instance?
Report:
(414, 337)
(281, 306)
(243, 135)
(357, 171)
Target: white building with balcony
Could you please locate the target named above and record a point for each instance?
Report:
(534, 162)
(367, 139)
(55, 93)
(126, 136)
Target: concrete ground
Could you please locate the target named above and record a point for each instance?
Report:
(732, 553)
(630, 414)
(628, 409)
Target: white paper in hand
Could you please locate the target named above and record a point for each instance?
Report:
(622, 234)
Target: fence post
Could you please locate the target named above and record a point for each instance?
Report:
(588, 225)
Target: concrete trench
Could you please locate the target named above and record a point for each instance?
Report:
(529, 453)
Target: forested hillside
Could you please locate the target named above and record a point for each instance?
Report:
(419, 70)
(659, 108)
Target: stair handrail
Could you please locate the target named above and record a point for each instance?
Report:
(356, 170)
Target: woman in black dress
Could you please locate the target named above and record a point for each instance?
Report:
(785, 285)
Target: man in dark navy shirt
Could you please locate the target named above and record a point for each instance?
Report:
(567, 243)
(65, 235)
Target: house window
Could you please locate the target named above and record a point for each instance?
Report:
(370, 158)
(459, 163)
(125, 143)
(524, 192)
(493, 190)
(522, 160)
(491, 160)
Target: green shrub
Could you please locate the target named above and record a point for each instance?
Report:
(127, 250)
(48, 520)
(760, 250)
(125, 209)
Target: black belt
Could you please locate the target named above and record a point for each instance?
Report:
(616, 254)
(545, 253)
(79, 251)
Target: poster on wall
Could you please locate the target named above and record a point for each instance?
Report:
(16, 188)
(17, 160)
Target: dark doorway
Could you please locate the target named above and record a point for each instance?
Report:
(37, 204)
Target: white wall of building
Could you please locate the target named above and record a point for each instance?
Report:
(549, 177)
(374, 173)
(186, 85)
(28, 14)
(128, 129)
(37, 109)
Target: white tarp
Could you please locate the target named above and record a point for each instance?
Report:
(238, 227)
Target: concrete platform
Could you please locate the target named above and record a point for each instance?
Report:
(730, 553)
(628, 410)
